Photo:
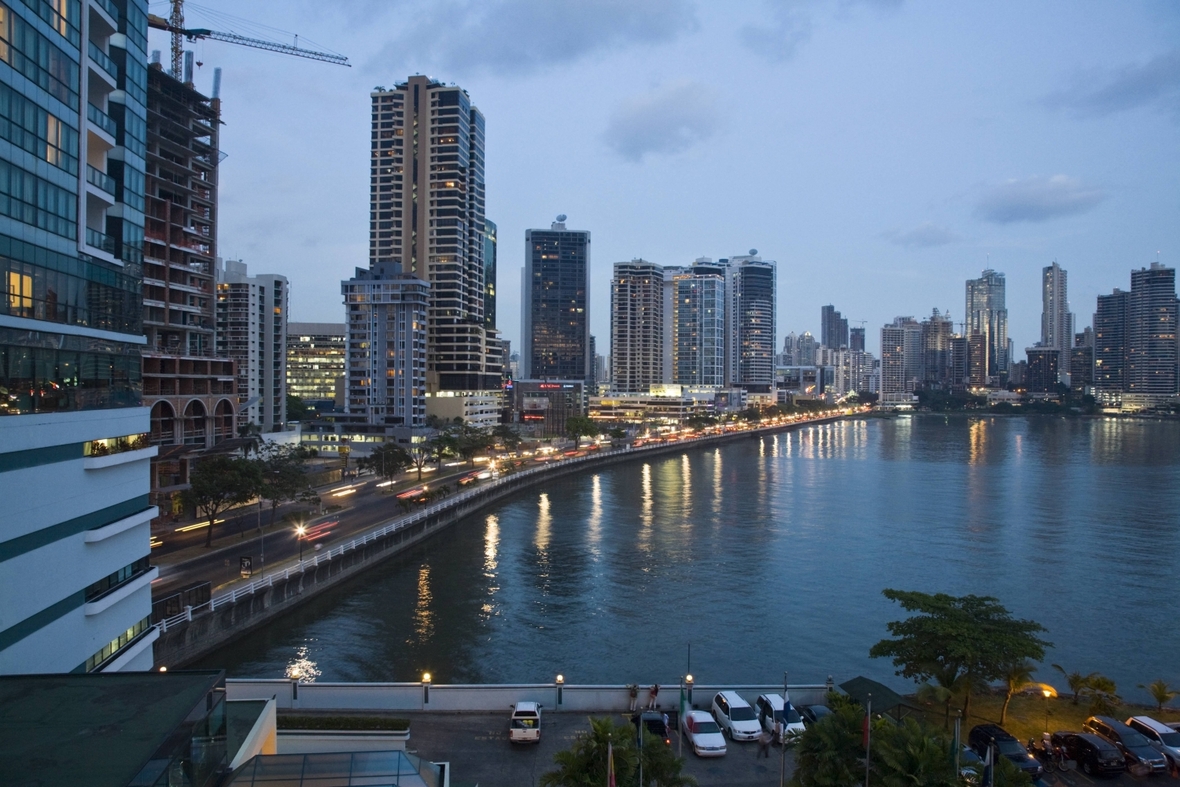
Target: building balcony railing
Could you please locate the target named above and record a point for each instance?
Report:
(100, 241)
(97, 177)
(101, 119)
(109, 7)
(103, 60)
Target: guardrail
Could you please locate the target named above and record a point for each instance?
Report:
(451, 502)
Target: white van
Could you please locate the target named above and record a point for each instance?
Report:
(525, 724)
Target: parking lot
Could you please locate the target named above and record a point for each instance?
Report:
(477, 747)
(1074, 778)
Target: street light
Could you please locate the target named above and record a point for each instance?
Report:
(425, 688)
(560, 686)
(1047, 694)
(688, 686)
(300, 530)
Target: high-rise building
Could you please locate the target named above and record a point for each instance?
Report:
(750, 322)
(959, 362)
(427, 220)
(555, 304)
(833, 330)
(252, 331)
(1110, 346)
(489, 275)
(902, 359)
(74, 451)
(387, 340)
(987, 316)
(1056, 319)
(315, 361)
(637, 326)
(697, 328)
(1151, 335)
(937, 331)
(856, 339)
(1081, 366)
(805, 348)
(1042, 373)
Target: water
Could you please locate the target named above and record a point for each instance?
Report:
(769, 555)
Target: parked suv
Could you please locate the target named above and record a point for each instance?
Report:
(654, 722)
(1093, 753)
(985, 736)
(735, 716)
(1161, 736)
(1136, 749)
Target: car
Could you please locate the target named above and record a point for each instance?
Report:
(735, 716)
(771, 715)
(525, 724)
(1093, 753)
(1160, 735)
(984, 736)
(813, 713)
(970, 766)
(1137, 750)
(704, 735)
(655, 722)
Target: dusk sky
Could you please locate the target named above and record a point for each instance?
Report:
(881, 152)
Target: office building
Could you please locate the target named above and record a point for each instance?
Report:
(833, 330)
(1081, 368)
(637, 326)
(74, 453)
(1151, 337)
(1056, 319)
(555, 304)
(252, 332)
(697, 325)
(958, 362)
(987, 317)
(315, 362)
(1110, 346)
(542, 407)
(937, 331)
(427, 221)
(901, 360)
(805, 349)
(856, 339)
(750, 322)
(1041, 374)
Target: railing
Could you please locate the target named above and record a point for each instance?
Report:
(103, 60)
(424, 514)
(97, 177)
(101, 119)
(100, 241)
(109, 7)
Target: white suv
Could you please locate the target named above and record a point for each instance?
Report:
(1161, 736)
(735, 716)
(776, 719)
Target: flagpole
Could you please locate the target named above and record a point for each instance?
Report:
(782, 754)
(868, 738)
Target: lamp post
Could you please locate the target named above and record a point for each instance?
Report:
(560, 686)
(1047, 694)
(688, 684)
(300, 530)
(425, 688)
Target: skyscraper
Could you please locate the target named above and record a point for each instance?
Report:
(856, 339)
(698, 325)
(833, 331)
(555, 305)
(315, 361)
(489, 275)
(637, 326)
(750, 322)
(427, 220)
(252, 331)
(936, 350)
(901, 359)
(1110, 346)
(987, 317)
(805, 347)
(1056, 319)
(1151, 334)
(74, 450)
(1043, 372)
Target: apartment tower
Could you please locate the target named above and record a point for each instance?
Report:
(555, 305)
(1056, 319)
(1151, 336)
(750, 322)
(697, 324)
(637, 326)
(252, 331)
(987, 318)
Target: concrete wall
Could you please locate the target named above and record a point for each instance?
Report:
(401, 697)
(320, 741)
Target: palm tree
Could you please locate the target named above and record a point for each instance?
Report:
(1076, 680)
(1161, 692)
(1017, 676)
(908, 756)
(584, 763)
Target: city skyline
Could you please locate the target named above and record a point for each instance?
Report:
(1055, 173)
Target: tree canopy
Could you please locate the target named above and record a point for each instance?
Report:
(584, 764)
(218, 482)
(579, 426)
(386, 460)
(281, 473)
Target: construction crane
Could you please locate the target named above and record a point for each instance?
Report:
(174, 24)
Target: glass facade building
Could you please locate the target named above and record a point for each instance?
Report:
(555, 305)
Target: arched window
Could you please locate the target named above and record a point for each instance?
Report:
(194, 423)
(163, 424)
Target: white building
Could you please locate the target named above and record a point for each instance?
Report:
(252, 330)
(637, 350)
(1056, 318)
(74, 456)
(901, 360)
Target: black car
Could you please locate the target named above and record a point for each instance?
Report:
(655, 724)
(985, 736)
(1093, 753)
(1136, 749)
(813, 713)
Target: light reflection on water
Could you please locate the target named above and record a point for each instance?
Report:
(772, 557)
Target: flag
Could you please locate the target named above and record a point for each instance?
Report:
(989, 769)
(610, 765)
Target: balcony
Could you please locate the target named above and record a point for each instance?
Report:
(96, 177)
(98, 240)
(101, 119)
(109, 7)
(103, 60)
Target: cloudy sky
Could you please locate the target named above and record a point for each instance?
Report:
(881, 151)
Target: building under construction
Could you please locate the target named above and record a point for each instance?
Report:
(191, 392)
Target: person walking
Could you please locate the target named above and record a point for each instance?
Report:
(764, 739)
(633, 688)
(653, 692)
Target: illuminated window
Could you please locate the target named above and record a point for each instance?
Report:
(20, 292)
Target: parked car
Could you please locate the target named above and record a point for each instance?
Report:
(735, 716)
(1161, 736)
(654, 722)
(984, 736)
(1093, 753)
(704, 735)
(970, 766)
(1136, 749)
(813, 713)
(525, 724)
(772, 715)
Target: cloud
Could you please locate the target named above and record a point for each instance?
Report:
(1155, 83)
(510, 37)
(924, 236)
(669, 119)
(1037, 199)
(789, 24)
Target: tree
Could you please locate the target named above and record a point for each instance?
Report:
(281, 468)
(297, 409)
(909, 755)
(1103, 695)
(1161, 692)
(830, 753)
(580, 426)
(585, 762)
(386, 460)
(420, 453)
(1017, 677)
(970, 636)
(471, 441)
(507, 435)
(218, 482)
(1076, 680)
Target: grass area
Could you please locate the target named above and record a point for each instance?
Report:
(288, 721)
(1026, 714)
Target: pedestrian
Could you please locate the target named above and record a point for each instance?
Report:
(653, 692)
(764, 740)
(633, 688)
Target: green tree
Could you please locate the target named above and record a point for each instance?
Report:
(580, 426)
(470, 441)
(508, 436)
(1161, 692)
(297, 409)
(386, 460)
(420, 453)
(1102, 693)
(910, 755)
(1017, 677)
(584, 764)
(970, 636)
(281, 468)
(219, 482)
(830, 753)
(1076, 680)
